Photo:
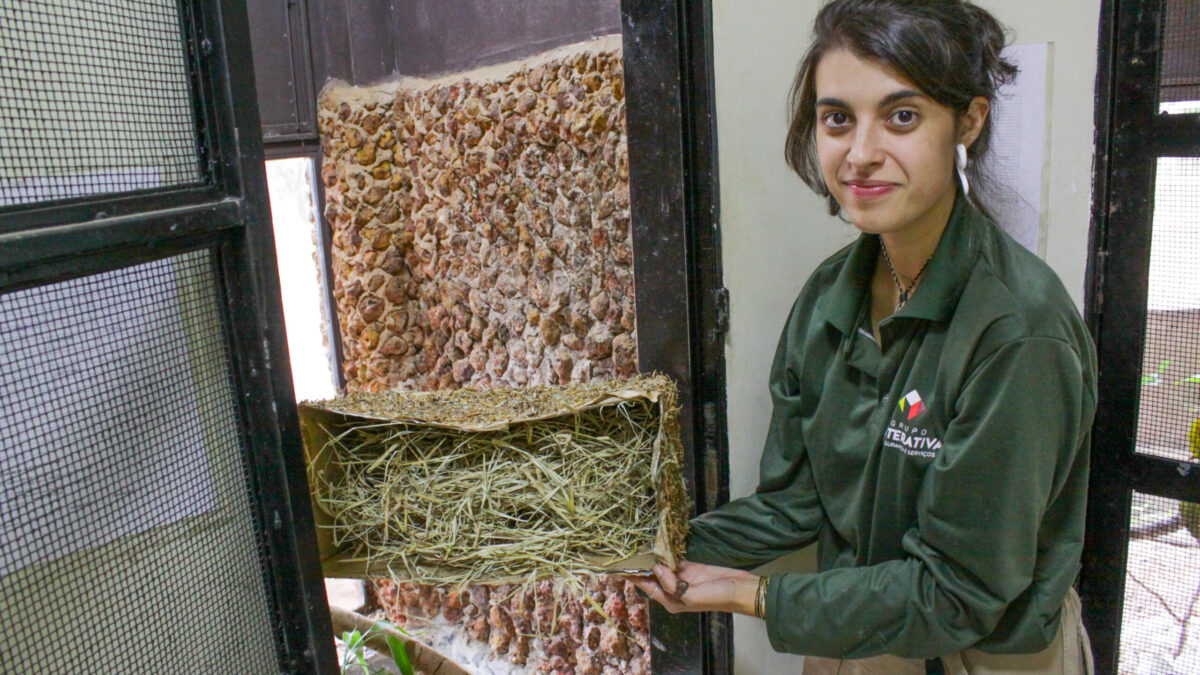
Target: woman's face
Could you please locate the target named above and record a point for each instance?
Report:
(886, 150)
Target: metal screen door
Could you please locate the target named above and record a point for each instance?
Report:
(153, 509)
(1141, 575)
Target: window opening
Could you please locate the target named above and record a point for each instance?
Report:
(294, 216)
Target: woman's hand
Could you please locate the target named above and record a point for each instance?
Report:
(705, 588)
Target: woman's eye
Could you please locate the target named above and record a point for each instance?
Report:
(904, 118)
(835, 120)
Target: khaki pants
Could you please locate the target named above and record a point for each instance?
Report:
(1069, 654)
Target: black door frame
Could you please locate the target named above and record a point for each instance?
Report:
(1130, 136)
(682, 313)
(228, 214)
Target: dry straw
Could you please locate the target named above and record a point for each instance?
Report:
(498, 485)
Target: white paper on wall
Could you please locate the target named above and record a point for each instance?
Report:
(1018, 150)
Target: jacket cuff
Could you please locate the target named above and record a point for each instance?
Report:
(771, 614)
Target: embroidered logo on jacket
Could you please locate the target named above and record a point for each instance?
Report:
(911, 439)
(912, 404)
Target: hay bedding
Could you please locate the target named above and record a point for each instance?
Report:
(498, 485)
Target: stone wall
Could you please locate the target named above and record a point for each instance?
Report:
(606, 633)
(481, 226)
(481, 237)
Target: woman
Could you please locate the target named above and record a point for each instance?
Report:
(933, 388)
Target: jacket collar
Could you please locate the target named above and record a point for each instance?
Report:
(936, 297)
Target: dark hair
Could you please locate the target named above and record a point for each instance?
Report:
(949, 48)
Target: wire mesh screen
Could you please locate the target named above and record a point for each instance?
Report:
(1179, 78)
(94, 99)
(1170, 394)
(1160, 626)
(127, 540)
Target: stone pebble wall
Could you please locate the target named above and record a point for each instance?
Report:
(481, 228)
(548, 632)
(481, 237)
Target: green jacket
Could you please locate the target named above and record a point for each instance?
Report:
(944, 475)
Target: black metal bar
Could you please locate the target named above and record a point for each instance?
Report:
(709, 298)
(700, 148)
(1174, 136)
(292, 148)
(49, 271)
(21, 248)
(672, 176)
(1130, 137)
(251, 280)
(1165, 477)
(298, 139)
(49, 213)
(652, 41)
(1106, 99)
(197, 51)
(1102, 578)
(651, 38)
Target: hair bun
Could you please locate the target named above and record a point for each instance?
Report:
(990, 39)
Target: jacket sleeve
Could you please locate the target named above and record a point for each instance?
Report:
(1020, 425)
(784, 513)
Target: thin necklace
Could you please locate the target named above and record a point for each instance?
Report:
(904, 292)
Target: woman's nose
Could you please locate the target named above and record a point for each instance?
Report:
(864, 148)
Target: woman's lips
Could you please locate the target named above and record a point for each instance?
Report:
(869, 189)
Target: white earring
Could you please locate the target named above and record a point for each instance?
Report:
(960, 163)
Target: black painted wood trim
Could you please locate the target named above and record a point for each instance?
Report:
(1101, 582)
(1130, 137)
(22, 248)
(251, 277)
(673, 191)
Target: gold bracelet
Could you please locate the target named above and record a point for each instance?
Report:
(760, 597)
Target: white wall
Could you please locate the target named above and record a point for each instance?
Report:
(774, 230)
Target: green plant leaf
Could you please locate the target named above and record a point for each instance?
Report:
(355, 642)
(352, 645)
(399, 654)
(1156, 378)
